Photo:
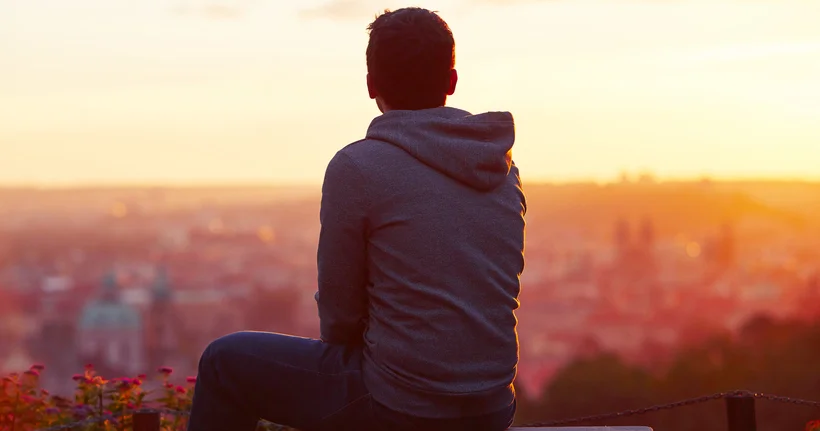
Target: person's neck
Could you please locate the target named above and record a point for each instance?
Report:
(385, 109)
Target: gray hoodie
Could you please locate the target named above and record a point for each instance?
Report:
(420, 254)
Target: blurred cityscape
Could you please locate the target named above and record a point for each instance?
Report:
(131, 279)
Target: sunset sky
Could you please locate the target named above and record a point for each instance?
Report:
(215, 91)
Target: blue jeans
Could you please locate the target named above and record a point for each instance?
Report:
(303, 383)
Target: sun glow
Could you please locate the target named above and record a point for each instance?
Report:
(99, 91)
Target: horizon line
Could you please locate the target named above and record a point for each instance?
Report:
(633, 179)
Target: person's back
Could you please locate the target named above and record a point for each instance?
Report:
(444, 213)
(419, 259)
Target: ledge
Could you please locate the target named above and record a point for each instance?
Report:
(581, 429)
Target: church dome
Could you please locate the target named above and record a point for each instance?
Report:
(108, 312)
(102, 314)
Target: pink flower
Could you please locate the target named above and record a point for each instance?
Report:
(78, 377)
(165, 370)
(169, 385)
(190, 379)
(142, 376)
(181, 390)
(38, 367)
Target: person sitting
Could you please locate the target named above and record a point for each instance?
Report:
(419, 261)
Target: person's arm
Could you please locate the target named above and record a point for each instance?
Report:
(342, 254)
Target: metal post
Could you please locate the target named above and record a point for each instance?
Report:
(146, 421)
(740, 412)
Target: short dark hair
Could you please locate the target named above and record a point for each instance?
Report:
(409, 58)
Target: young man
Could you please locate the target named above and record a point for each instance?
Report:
(420, 253)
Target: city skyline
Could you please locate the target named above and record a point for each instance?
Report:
(233, 92)
(638, 269)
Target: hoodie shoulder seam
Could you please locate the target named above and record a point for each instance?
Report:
(353, 143)
(353, 159)
(359, 172)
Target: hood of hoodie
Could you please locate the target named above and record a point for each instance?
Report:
(473, 149)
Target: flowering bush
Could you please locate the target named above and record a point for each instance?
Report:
(98, 404)
(104, 405)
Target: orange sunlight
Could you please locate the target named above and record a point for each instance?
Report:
(102, 92)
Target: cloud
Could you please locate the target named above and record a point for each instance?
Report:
(215, 11)
(742, 52)
(343, 10)
(364, 9)
(506, 2)
(358, 9)
(368, 9)
(211, 10)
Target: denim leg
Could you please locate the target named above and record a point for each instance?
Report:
(298, 382)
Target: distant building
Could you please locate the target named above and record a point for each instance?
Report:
(163, 326)
(55, 346)
(635, 259)
(720, 250)
(17, 361)
(647, 240)
(633, 276)
(622, 237)
(110, 333)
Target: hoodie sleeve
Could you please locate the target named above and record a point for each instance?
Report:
(342, 254)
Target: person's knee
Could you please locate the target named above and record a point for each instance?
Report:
(222, 350)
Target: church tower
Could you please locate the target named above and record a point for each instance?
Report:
(160, 315)
(623, 240)
(647, 234)
(647, 245)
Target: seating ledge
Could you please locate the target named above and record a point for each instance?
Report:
(581, 429)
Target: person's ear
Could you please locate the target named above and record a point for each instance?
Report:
(453, 81)
(371, 89)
